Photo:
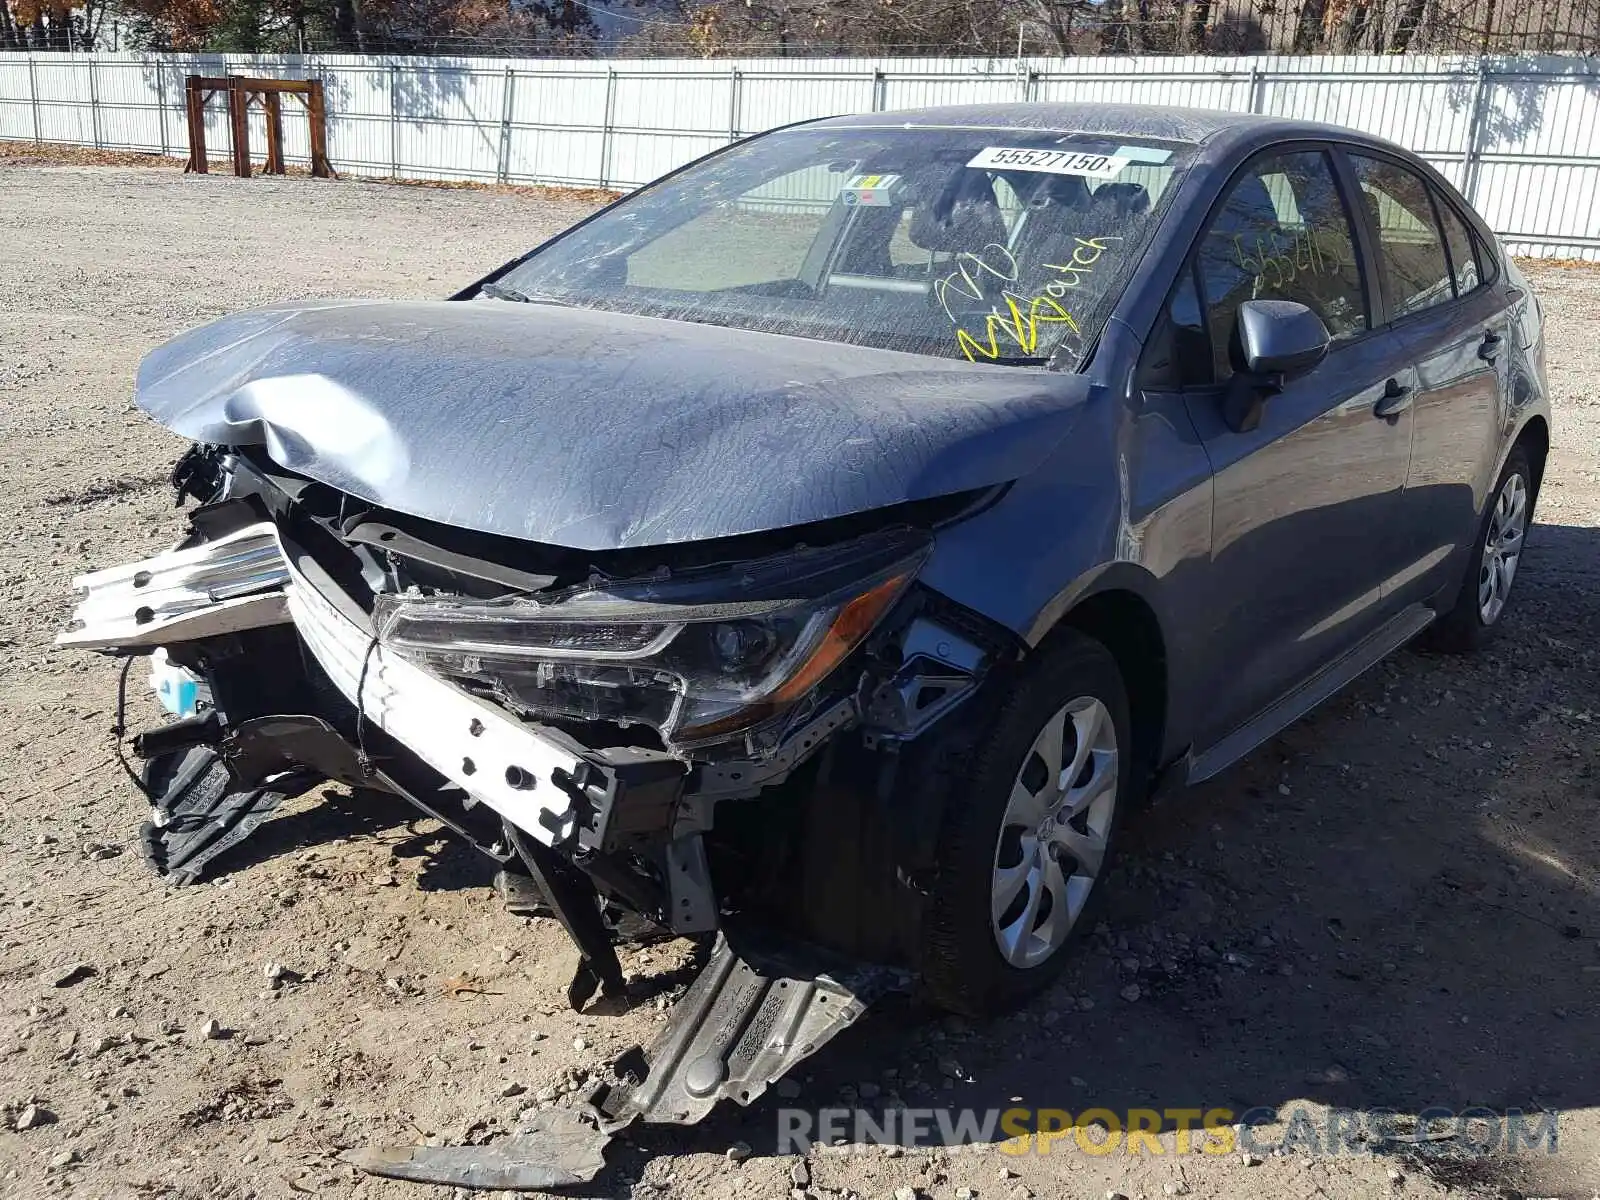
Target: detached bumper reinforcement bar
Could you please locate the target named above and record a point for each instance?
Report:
(477, 746)
(233, 583)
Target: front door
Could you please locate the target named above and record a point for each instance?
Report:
(1305, 504)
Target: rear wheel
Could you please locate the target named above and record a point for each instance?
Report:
(1029, 830)
(1497, 554)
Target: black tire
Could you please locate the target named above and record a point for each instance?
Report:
(1463, 627)
(960, 961)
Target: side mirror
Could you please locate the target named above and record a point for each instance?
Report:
(1280, 337)
(1273, 341)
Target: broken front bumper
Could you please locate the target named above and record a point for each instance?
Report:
(746, 1020)
(192, 593)
(749, 1018)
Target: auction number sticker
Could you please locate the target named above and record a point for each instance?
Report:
(1054, 162)
(871, 191)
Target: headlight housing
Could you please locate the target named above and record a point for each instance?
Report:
(703, 656)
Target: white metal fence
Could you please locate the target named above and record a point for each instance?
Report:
(1520, 136)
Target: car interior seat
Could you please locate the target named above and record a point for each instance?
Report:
(1120, 200)
(1052, 212)
(962, 215)
(866, 246)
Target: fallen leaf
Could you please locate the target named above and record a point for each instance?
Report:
(462, 986)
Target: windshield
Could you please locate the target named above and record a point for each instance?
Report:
(989, 245)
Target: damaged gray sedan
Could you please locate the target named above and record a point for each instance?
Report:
(824, 547)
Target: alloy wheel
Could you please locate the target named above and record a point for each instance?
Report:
(1055, 831)
(1502, 547)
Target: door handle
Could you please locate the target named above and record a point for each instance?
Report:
(1396, 399)
(1489, 348)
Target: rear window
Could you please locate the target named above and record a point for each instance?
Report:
(989, 245)
(1410, 248)
(1463, 257)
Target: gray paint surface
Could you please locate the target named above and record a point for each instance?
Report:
(599, 430)
(1131, 120)
(1253, 553)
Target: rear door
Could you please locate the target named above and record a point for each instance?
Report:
(1304, 505)
(1455, 327)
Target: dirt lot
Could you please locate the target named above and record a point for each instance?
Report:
(1393, 906)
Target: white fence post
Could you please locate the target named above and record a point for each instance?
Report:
(161, 106)
(1469, 152)
(605, 127)
(503, 167)
(33, 99)
(394, 121)
(734, 78)
(94, 103)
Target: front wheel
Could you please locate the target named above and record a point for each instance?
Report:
(1497, 553)
(1028, 831)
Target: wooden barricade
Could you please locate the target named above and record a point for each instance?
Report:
(268, 93)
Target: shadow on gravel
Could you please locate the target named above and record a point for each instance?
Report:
(447, 863)
(337, 815)
(1393, 905)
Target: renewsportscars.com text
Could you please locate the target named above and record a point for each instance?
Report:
(1215, 1131)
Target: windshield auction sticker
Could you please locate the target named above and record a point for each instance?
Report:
(1054, 162)
(871, 191)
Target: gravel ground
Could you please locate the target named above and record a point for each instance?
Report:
(1392, 906)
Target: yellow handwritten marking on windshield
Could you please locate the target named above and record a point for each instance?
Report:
(1024, 314)
(1085, 254)
(1021, 327)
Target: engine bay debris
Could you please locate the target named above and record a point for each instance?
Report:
(744, 1023)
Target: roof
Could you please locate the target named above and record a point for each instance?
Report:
(1137, 120)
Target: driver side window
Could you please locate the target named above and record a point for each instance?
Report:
(1283, 233)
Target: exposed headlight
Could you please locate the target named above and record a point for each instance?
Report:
(702, 656)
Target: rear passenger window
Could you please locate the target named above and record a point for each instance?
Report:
(1463, 259)
(1488, 265)
(1409, 246)
(1283, 233)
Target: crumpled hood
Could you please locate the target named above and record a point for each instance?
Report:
(598, 430)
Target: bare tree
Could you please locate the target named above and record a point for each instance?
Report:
(1411, 17)
(1308, 26)
(10, 34)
